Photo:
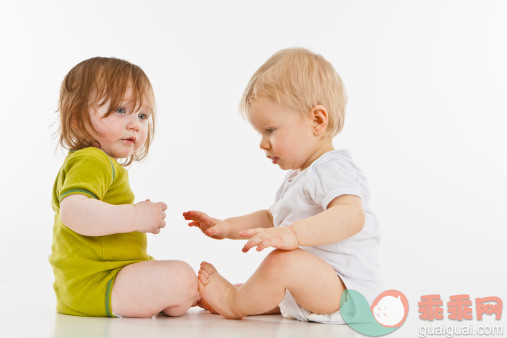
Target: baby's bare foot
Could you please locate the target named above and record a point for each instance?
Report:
(215, 290)
(202, 304)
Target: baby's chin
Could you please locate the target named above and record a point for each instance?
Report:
(120, 155)
(125, 153)
(283, 165)
(289, 167)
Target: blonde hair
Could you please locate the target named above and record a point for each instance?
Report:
(299, 79)
(97, 81)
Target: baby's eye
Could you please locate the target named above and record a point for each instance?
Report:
(270, 130)
(120, 110)
(143, 116)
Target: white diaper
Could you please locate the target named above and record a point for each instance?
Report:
(290, 309)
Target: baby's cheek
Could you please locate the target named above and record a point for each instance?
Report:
(142, 139)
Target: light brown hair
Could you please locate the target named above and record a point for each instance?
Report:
(299, 79)
(95, 82)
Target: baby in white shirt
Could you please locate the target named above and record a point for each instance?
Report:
(321, 225)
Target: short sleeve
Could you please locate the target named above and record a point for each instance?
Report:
(88, 172)
(332, 179)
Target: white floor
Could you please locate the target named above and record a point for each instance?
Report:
(30, 312)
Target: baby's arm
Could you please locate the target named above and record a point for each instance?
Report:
(343, 218)
(91, 217)
(230, 227)
(258, 219)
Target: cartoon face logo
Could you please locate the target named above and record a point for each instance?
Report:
(390, 308)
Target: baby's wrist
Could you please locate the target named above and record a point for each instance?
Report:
(296, 239)
(133, 215)
(228, 229)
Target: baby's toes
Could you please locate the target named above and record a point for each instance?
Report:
(207, 267)
(203, 276)
(204, 273)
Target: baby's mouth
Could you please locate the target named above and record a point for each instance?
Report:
(274, 160)
(129, 141)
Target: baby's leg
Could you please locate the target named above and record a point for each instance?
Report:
(203, 304)
(144, 289)
(313, 283)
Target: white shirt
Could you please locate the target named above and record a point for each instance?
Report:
(308, 192)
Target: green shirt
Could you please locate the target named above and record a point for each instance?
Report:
(85, 266)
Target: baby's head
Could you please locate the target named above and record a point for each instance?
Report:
(107, 103)
(296, 101)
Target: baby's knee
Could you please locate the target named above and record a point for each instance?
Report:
(176, 311)
(184, 280)
(278, 261)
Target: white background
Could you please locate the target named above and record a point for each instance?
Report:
(426, 121)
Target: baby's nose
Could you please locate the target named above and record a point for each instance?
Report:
(264, 145)
(133, 123)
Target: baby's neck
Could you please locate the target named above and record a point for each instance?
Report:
(323, 147)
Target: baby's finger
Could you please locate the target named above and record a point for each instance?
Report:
(194, 214)
(251, 243)
(266, 244)
(200, 217)
(203, 218)
(251, 232)
(247, 247)
(190, 215)
(193, 224)
(161, 205)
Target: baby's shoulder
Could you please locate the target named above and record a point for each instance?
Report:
(339, 159)
(93, 152)
(91, 157)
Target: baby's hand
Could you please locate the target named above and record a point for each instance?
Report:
(281, 238)
(149, 216)
(212, 227)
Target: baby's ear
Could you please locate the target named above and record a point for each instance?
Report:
(320, 118)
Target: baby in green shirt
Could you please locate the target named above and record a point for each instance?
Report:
(99, 254)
